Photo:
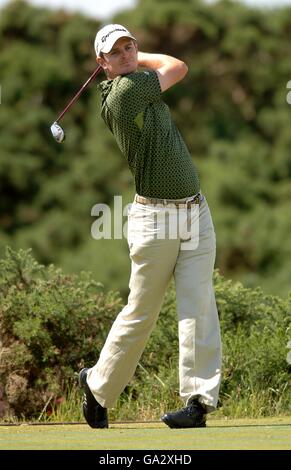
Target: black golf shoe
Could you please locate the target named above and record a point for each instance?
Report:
(94, 413)
(191, 416)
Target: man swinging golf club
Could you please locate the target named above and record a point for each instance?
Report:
(165, 178)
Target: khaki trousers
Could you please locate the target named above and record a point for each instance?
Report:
(155, 258)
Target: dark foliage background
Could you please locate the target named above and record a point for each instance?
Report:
(231, 108)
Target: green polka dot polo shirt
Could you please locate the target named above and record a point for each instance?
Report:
(141, 122)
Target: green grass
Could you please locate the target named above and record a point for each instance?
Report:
(154, 399)
(260, 434)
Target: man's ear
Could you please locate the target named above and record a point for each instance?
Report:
(101, 61)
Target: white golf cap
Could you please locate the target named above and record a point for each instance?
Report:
(107, 37)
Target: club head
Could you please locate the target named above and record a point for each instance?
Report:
(57, 132)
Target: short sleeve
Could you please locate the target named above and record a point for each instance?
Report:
(134, 92)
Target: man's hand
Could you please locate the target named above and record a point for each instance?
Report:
(169, 69)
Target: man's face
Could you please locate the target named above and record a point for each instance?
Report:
(121, 60)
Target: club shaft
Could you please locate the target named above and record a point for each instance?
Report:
(94, 74)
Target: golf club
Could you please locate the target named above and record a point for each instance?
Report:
(56, 130)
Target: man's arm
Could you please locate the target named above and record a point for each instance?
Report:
(169, 69)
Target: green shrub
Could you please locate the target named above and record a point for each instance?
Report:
(52, 324)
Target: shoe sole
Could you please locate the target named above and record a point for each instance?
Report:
(80, 383)
(172, 425)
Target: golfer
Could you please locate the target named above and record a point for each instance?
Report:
(166, 183)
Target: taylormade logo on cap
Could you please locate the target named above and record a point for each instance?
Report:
(103, 39)
(107, 37)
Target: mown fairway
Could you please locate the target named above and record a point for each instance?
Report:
(261, 434)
